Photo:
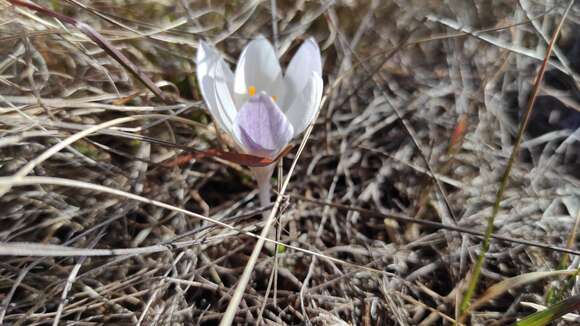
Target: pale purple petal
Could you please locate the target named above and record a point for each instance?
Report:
(261, 126)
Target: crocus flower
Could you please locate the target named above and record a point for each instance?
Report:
(261, 108)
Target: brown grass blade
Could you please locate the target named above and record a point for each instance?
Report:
(101, 42)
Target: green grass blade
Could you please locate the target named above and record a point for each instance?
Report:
(465, 304)
(551, 313)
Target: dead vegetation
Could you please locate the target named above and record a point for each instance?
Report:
(81, 166)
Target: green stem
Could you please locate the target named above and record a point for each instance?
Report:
(465, 303)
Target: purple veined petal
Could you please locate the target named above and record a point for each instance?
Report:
(258, 67)
(306, 104)
(306, 61)
(262, 127)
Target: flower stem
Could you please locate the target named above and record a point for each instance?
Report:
(263, 176)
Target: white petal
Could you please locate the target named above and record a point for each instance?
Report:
(306, 104)
(225, 104)
(216, 81)
(258, 66)
(306, 61)
(207, 58)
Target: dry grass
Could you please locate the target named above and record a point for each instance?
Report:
(161, 243)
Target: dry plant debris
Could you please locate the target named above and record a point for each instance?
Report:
(161, 237)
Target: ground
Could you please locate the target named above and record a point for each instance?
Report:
(385, 210)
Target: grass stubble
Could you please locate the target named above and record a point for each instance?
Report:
(382, 204)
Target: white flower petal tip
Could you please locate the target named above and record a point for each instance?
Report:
(262, 127)
(258, 66)
(308, 55)
(206, 58)
(215, 81)
(305, 62)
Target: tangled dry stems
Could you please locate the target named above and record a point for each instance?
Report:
(433, 63)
